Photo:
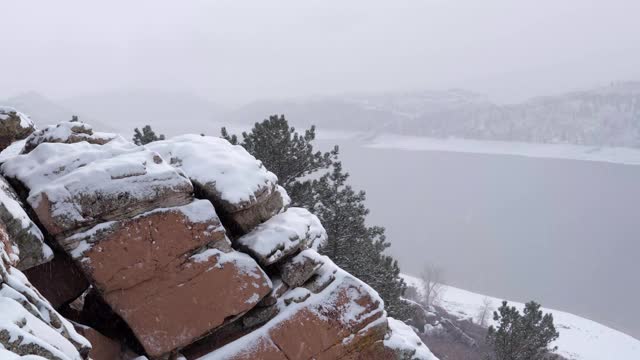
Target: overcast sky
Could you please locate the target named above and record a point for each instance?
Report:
(238, 51)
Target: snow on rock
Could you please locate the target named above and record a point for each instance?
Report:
(283, 235)
(67, 132)
(580, 338)
(14, 125)
(242, 190)
(78, 185)
(28, 323)
(404, 341)
(12, 150)
(236, 175)
(171, 269)
(22, 230)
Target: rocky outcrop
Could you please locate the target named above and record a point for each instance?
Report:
(244, 193)
(148, 228)
(14, 125)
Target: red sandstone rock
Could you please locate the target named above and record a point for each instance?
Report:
(169, 273)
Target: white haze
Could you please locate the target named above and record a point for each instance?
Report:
(239, 51)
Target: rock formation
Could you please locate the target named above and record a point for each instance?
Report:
(183, 249)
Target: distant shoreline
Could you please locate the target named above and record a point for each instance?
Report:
(615, 155)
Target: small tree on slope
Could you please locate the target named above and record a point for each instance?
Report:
(315, 180)
(522, 337)
(146, 136)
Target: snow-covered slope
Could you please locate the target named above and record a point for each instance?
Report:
(580, 338)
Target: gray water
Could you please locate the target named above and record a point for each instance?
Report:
(562, 232)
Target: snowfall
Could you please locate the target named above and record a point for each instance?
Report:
(580, 338)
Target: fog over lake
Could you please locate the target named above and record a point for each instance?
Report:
(561, 232)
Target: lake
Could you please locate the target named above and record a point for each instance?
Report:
(562, 232)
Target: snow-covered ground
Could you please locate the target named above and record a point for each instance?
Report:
(580, 338)
(618, 155)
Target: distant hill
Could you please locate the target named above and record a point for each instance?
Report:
(604, 116)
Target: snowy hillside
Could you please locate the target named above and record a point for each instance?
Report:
(580, 338)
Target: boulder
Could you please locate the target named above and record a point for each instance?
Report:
(242, 190)
(298, 269)
(72, 187)
(66, 132)
(28, 323)
(170, 273)
(14, 125)
(283, 235)
(59, 281)
(22, 230)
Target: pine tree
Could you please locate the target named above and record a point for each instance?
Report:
(522, 337)
(352, 245)
(146, 136)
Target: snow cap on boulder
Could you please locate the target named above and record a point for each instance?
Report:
(67, 132)
(283, 235)
(243, 191)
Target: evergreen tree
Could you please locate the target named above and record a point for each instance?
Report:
(352, 245)
(522, 337)
(146, 136)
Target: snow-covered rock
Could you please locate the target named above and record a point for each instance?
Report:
(22, 230)
(78, 185)
(28, 323)
(14, 125)
(243, 191)
(283, 235)
(66, 132)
